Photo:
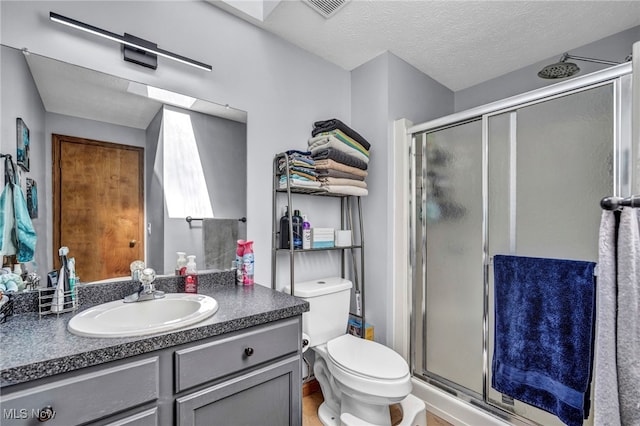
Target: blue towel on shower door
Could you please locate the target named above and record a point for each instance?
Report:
(544, 325)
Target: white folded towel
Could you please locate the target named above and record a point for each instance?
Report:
(345, 190)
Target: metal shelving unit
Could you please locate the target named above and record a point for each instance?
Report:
(346, 222)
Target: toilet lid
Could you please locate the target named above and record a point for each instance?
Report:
(367, 358)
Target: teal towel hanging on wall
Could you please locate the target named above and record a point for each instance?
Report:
(17, 235)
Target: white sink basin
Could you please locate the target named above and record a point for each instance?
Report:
(119, 319)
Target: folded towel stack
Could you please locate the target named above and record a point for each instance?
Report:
(322, 238)
(302, 170)
(341, 157)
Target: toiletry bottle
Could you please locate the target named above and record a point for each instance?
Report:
(297, 229)
(181, 263)
(284, 229)
(239, 261)
(63, 282)
(191, 279)
(248, 258)
(72, 278)
(306, 233)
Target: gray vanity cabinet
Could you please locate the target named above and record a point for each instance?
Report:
(262, 397)
(247, 377)
(261, 379)
(84, 396)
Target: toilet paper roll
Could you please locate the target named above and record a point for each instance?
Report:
(306, 342)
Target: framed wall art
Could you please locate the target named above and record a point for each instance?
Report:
(24, 146)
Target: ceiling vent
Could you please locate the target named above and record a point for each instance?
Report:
(326, 8)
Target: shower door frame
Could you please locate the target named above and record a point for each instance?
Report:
(623, 184)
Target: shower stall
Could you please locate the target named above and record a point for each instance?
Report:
(522, 176)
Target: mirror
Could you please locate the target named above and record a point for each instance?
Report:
(191, 158)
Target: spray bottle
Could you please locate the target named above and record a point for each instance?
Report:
(247, 259)
(239, 263)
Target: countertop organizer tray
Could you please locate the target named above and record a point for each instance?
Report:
(47, 305)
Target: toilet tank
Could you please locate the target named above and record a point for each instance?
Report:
(329, 300)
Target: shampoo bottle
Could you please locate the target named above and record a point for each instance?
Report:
(248, 258)
(284, 229)
(306, 233)
(191, 279)
(297, 229)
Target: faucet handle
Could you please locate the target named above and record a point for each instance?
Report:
(136, 268)
(147, 276)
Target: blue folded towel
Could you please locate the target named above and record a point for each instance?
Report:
(544, 325)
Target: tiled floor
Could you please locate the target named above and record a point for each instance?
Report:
(311, 402)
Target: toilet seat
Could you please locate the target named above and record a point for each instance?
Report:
(366, 358)
(368, 368)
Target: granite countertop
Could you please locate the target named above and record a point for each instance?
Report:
(34, 347)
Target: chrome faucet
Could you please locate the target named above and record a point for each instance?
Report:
(147, 290)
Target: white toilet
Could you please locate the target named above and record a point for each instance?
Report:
(359, 378)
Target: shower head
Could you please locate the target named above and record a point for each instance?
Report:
(562, 68)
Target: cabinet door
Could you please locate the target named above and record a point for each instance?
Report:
(144, 418)
(267, 396)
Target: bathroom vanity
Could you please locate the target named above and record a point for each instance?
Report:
(241, 366)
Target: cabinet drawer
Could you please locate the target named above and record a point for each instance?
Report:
(85, 397)
(210, 361)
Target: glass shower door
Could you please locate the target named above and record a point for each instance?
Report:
(451, 291)
(526, 180)
(549, 165)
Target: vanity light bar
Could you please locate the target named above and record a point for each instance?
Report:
(55, 17)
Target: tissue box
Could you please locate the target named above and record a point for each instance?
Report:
(322, 237)
(322, 234)
(322, 244)
(355, 325)
(343, 238)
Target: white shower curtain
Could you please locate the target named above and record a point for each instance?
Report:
(617, 362)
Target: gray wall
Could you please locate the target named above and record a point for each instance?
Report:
(21, 99)
(222, 152)
(283, 88)
(613, 48)
(154, 195)
(383, 90)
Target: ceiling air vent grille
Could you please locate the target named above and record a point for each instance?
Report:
(326, 8)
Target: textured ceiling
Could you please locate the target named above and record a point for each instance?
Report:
(458, 43)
